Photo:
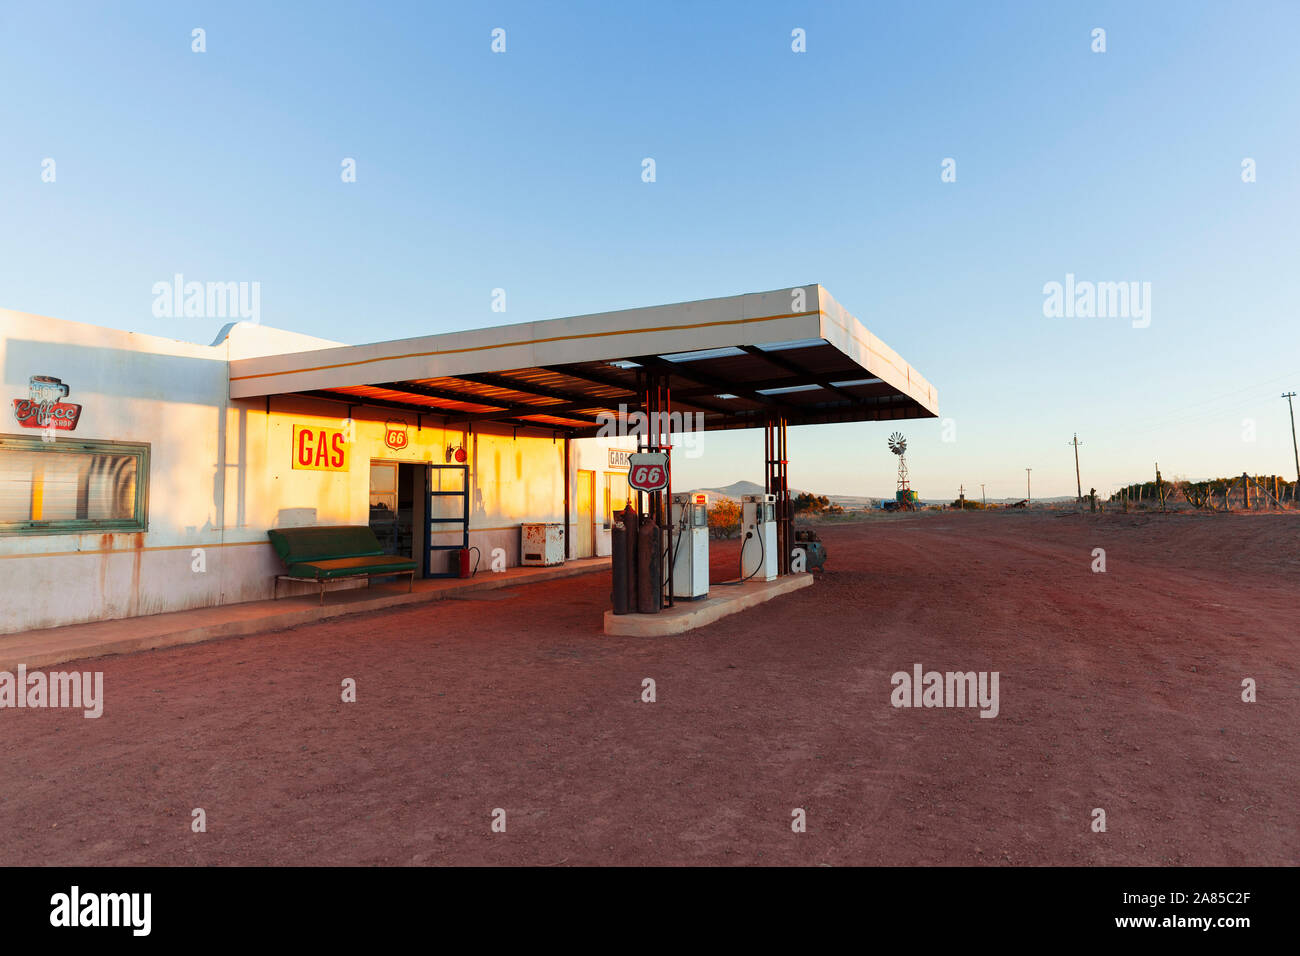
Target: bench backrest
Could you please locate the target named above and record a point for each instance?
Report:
(295, 545)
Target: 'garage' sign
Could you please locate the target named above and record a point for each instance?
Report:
(320, 449)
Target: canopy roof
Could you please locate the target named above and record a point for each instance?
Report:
(736, 360)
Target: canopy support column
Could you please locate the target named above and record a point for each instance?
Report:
(775, 483)
(656, 403)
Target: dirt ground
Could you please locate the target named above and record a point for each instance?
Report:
(1118, 690)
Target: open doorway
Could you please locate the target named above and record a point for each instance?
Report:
(395, 497)
(584, 537)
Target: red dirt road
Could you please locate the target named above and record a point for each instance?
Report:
(1119, 690)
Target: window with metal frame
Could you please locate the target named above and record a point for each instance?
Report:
(617, 495)
(72, 486)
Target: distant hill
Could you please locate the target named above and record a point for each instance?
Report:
(737, 489)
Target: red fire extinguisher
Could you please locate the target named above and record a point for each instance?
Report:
(463, 555)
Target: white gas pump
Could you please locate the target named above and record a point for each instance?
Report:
(758, 554)
(689, 541)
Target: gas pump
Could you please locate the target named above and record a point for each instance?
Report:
(758, 552)
(690, 545)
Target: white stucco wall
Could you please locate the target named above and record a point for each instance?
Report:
(221, 473)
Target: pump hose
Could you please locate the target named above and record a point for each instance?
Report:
(668, 571)
(762, 558)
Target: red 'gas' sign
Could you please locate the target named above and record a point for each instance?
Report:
(320, 449)
(647, 471)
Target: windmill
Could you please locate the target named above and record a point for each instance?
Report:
(905, 496)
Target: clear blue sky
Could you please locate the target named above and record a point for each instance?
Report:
(522, 171)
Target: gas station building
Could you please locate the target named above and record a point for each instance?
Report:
(140, 475)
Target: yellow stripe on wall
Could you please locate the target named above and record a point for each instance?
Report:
(161, 547)
(188, 547)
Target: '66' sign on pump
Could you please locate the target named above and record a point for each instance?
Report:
(647, 471)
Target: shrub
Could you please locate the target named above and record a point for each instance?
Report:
(724, 517)
(809, 502)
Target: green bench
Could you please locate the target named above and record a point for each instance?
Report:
(321, 555)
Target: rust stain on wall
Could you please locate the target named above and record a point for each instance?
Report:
(107, 544)
(106, 548)
(137, 543)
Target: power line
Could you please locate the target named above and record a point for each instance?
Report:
(1288, 396)
(1182, 416)
(1077, 480)
(1204, 417)
(1244, 388)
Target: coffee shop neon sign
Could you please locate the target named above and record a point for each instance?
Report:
(43, 407)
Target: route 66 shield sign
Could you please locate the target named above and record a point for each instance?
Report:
(395, 435)
(647, 471)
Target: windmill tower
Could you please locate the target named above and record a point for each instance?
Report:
(904, 495)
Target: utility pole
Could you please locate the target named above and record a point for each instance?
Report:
(983, 498)
(961, 496)
(1288, 396)
(1078, 483)
(1029, 494)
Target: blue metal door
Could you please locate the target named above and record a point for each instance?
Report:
(447, 512)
